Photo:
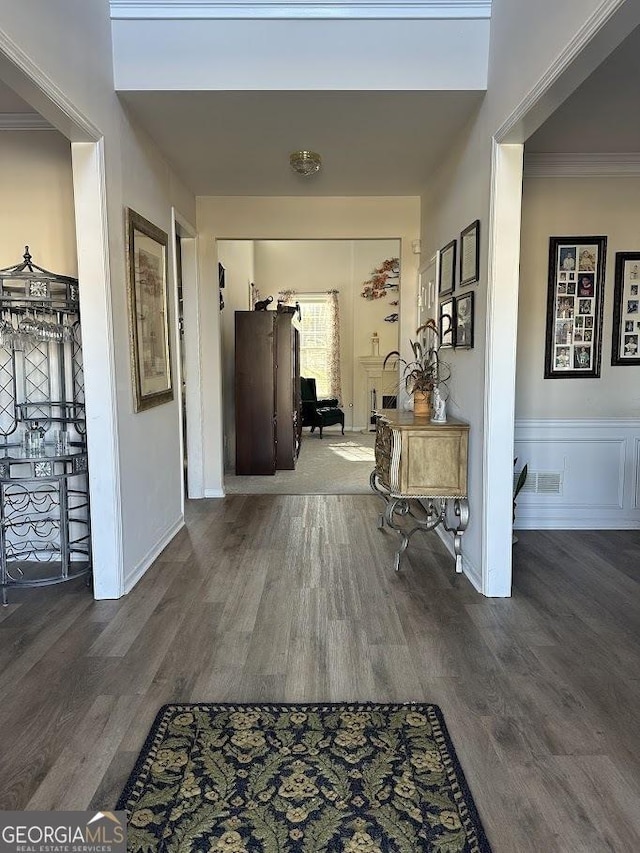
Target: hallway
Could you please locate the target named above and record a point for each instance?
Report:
(289, 598)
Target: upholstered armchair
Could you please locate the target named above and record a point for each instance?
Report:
(318, 413)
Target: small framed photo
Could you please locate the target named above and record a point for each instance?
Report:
(148, 312)
(463, 337)
(625, 345)
(470, 254)
(446, 322)
(447, 269)
(574, 307)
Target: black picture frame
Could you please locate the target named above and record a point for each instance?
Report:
(464, 321)
(625, 339)
(447, 269)
(447, 322)
(470, 254)
(575, 298)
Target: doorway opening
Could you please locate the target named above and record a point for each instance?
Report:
(327, 284)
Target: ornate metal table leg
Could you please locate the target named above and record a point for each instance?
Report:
(461, 513)
(401, 506)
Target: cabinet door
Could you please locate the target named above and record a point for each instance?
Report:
(285, 394)
(255, 392)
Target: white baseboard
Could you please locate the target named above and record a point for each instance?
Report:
(214, 493)
(132, 577)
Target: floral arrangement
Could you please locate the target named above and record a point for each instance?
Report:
(427, 371)
(378, 284)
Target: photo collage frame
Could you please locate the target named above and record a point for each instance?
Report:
(574, 306)
(625, 349)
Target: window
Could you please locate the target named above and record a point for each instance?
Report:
(315, 343)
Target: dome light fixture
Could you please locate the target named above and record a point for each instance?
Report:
(305, 162)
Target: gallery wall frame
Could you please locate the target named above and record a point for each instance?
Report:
(464, 321)
(150, 343)
(447, 269)
(573, 347)
(470, 254)
(447, 322)
(625, 341)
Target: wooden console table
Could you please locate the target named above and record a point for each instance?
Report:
(417, 460)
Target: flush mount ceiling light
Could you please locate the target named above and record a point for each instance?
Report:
(305, 162)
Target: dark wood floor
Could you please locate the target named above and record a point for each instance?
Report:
(293, 598)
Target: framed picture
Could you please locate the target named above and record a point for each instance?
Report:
(470, 254)
(574, 307)
(148, 313)
(447, 269)
(463, 335)
(625, 345)
(446, 322)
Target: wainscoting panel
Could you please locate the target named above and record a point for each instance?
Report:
(584, 473)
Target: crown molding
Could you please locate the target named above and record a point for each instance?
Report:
(301, 9)
(582, 165)
(24, 121)
(596, 21)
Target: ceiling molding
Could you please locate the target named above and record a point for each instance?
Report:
(302, 9)
(24, 121)
(582, 165)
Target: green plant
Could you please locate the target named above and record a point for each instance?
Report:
(519, 485)
(427, 369)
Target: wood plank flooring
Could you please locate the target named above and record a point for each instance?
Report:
(290, 598)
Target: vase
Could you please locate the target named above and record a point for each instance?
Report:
(421, 403)
(439, 414)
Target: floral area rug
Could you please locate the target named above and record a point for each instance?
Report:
(349, 778)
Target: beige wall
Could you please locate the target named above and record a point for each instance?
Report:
(286, 218)
(527, 40)
(37, 200)
(67, 46)
(573, 207)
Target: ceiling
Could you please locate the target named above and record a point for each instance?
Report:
(372, 143)
(238, 143)
(603, 114)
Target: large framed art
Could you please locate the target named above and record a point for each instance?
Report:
(148, 312)
(574, 307)
(626, 310)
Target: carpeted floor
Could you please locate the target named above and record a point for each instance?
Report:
(342, 778)
(334, 465)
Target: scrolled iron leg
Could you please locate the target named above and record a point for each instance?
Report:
(461, 513)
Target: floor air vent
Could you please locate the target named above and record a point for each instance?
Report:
(542, 483)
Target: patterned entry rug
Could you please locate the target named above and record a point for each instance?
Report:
(349, 778)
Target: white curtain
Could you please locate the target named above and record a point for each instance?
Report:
(335, 375)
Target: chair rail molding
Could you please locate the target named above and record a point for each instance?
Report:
(303, 9)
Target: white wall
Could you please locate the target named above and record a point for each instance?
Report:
(67, 48)
(228, 218)
(237, 257)
(529, 43)
(37, 200)
(563, 423)
(341, 55)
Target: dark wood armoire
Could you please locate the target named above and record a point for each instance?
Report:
(267, 391)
